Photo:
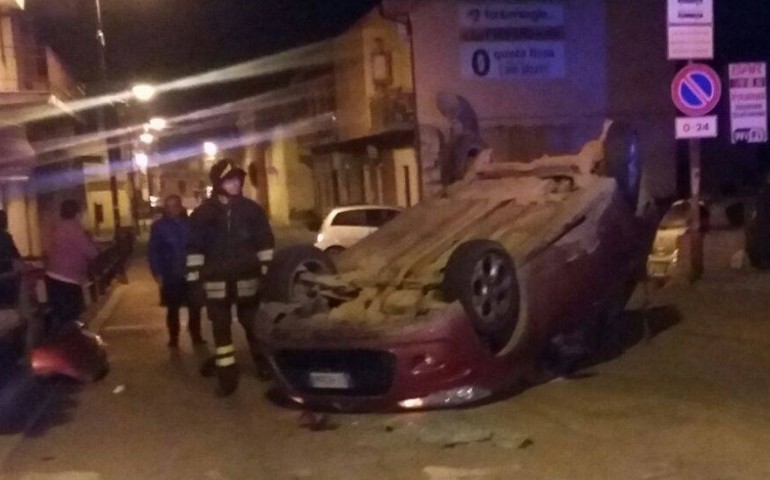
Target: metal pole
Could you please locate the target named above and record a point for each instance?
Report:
(696, 235)
(101, 114)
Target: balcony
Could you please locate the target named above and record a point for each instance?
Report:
(392, 109)
(35, 70)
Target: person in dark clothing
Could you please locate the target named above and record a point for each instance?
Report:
(10, 267)
(231, 245)
(167, 255)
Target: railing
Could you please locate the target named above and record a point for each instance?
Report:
(394, 107)
(111, 264)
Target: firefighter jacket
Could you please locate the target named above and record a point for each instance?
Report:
(229, 247)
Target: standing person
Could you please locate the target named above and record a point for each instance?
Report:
(231, 244)
(167, 255)
(10, 267)
(70, 254)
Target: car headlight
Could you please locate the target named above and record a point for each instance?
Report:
(319, 238)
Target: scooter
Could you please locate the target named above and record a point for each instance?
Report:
(69, 350)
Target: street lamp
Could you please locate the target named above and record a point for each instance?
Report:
(158, 124)
(144, 92)
(211, 149)
(101, 115)
(142, 161)
(147, 138)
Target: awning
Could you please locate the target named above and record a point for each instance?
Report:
(388, 139)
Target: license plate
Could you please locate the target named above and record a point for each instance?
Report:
(330, 380)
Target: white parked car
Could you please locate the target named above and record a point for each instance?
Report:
(345, 226)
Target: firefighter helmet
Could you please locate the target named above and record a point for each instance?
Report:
(224, 169)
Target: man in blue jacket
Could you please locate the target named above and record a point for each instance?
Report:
(168, 254)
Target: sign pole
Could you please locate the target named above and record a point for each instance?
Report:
(696, 234)
(696, 91)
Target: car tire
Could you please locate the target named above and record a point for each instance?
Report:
(622, 161)
(280, 283)
(481, 275)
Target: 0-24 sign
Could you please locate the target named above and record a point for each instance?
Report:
(696, 127)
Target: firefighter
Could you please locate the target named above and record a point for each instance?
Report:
(230, 248)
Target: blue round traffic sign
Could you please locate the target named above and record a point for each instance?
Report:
(696, 90)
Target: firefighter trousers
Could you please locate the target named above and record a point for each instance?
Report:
(220, 314)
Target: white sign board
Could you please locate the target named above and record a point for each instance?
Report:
(512, 40)
(690, 29)
(696, 127)
(748, 102)
(690, 42)
(690, 12)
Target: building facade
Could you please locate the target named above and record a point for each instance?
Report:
(537, 77)
(47, 152)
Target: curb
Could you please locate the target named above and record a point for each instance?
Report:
(104, 314)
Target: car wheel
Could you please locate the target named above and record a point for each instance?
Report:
(622, 161)
(482, 276)
(281, 284)
(334, 251)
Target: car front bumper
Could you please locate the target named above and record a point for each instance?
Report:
(440, 364)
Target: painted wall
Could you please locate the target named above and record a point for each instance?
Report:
(639, 86)
(97, 194)
(579, 93)
(612, 67)
(355, 86)
(9, 75)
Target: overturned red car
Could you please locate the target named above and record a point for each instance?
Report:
(459, 298)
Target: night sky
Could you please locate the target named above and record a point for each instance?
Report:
(156, 40)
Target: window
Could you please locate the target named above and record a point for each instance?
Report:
(379, 217)
(351, 218)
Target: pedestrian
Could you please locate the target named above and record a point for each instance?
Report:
(167, 255)
(231, 245)
(10, 267)
(70, 255)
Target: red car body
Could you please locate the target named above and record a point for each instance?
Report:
(580, 260)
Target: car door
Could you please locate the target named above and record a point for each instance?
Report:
(349, 227)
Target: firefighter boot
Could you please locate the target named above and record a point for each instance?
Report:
(228, 380)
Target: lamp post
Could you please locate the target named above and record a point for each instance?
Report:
(101, 115)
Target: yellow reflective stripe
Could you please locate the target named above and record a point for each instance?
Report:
(227, 170)
(195, 260)
(247, 288)
(266, 255)
(225, 361)
(216, 295)
(215, 286)
(225, 350)
(193, 276)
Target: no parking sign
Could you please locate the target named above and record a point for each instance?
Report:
(696, 90)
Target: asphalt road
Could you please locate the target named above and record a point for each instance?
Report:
(688, 403)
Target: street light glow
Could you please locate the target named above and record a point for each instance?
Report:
(147, 138)
(211, 149)
(144, 92)
(142, 161)
(157, 123)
